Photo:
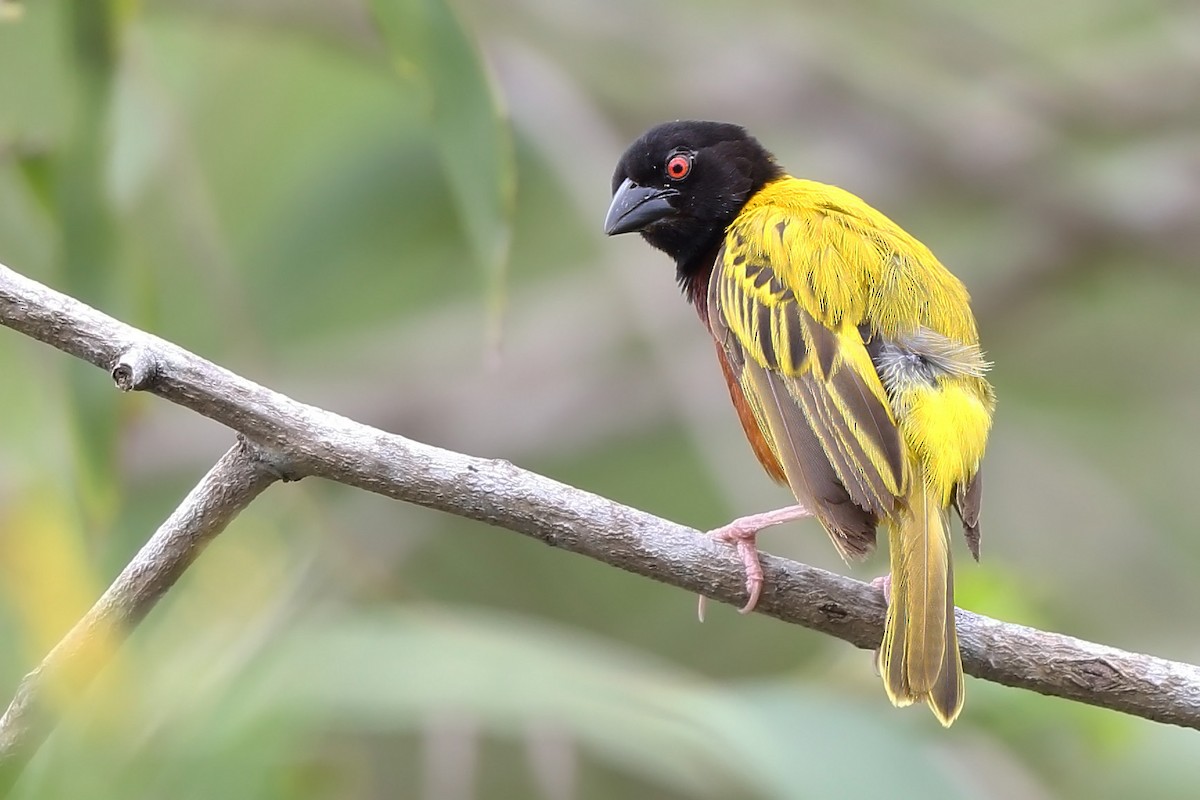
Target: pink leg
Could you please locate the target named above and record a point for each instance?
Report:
(742, 533)
(884, 584)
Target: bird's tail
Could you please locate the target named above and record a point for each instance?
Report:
(919, 657)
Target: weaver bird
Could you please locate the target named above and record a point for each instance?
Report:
(853, 362)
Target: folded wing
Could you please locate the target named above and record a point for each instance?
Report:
(813, 390)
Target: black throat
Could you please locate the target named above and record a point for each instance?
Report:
(694, 246)
(693, 277)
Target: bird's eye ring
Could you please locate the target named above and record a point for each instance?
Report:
(678, 166)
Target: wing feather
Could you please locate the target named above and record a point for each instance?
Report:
(806, 463)
(813, 390)
(967, 499)
(851, 462)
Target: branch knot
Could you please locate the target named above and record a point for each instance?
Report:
(136, 369)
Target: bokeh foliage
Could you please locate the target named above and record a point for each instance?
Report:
(392, 209)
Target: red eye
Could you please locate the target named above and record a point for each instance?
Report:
(678, 167)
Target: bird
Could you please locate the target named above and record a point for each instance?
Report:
(853, 361)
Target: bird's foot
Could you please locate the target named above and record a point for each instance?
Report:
(742, 533)
(744, 539)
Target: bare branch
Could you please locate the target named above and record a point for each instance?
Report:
(236, 479)
(311, 441)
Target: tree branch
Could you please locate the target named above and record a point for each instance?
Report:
(311, 441)
(236, 479)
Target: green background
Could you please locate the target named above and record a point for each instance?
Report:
(393, 210)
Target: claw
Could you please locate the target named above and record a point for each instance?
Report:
(745, 541)
(743, 535)
(746, 544)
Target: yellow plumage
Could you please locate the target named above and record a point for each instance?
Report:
(858, 356)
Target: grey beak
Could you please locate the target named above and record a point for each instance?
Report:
(634, 207)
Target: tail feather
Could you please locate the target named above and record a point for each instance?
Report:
(891, 664)
(946, 697)
(919, 658)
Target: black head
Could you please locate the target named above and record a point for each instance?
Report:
(682, 183)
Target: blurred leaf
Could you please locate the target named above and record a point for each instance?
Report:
(11, 11)
(400, 670)
(431, 49)
(37, 173)
(35, 77)
(50, 583)
(661, 722)
(796, 743)
(88, 247)
(46, 575)
(141, 124)
(347, 207)
(506, 676)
